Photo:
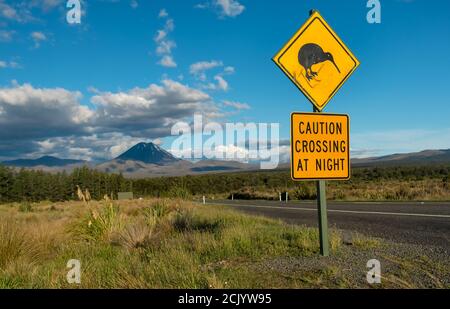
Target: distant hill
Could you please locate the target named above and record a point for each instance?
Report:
(148, 153)
(47, 161)
(417, 158)
(421, 158)
(150, 160)
(147, 160)
(136, 169)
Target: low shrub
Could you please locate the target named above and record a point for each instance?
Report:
(14, 244)
(25, 207)
(135, 235)
(99, 224)
(303, 192)
(254, 194)
(179, 192)
(187, 220)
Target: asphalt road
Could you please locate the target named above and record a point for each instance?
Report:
(417, 223)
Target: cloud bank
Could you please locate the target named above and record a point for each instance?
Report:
(54, 121)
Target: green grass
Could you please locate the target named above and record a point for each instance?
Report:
(366, 243)
(25, 207)
(172, 244)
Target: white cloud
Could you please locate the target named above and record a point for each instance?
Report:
(123, 144)
(229, 70)
(236, 105)
(224, 8)
(46, 5)
(6, 35)
(164, 45)
(9, 65)
(202, 66)
(96, 147)
(202, 6)
(38, 37)
(231, 152)
(150, 111)
(14, 65)
(167, 62)
(157, 142)
(30, 112)
(17, 11)
(79, 153)
(134, 4)
(222, 84)
(8, 12)
(163, 13)
(230, 8)
(199, 70)
(170, 25)
(22, 11)
(160, 35)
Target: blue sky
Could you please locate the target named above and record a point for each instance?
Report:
(129, 52)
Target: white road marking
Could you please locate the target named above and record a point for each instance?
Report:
(340, 211)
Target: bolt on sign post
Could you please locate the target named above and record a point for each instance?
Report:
(317, 61)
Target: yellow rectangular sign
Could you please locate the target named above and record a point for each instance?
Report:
(320, 146)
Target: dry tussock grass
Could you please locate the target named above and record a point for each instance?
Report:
(15, 244)
(153, 243)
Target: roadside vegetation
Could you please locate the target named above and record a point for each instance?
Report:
(162, 243)
(408, 183)
(384, 190)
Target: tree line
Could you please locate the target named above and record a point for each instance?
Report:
(277, 180)
(33, 186)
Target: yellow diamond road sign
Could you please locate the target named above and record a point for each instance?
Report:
(316, 61)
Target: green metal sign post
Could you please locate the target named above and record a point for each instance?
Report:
(323, 220)
(322, 211)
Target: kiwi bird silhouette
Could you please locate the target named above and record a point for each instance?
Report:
(311, 54)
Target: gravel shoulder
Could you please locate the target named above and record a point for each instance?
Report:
(418, 266)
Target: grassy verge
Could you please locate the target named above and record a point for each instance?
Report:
(175, 244)
(381, 190)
